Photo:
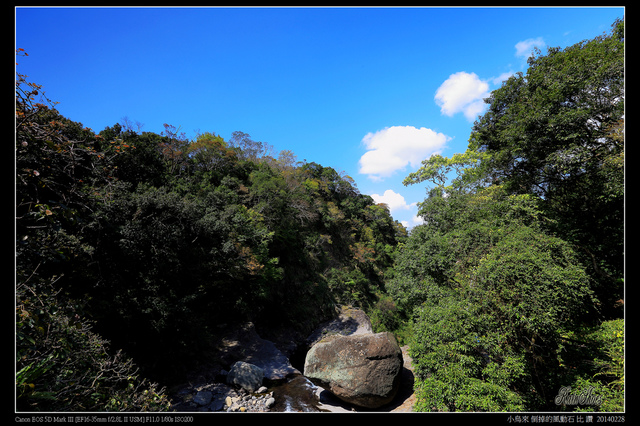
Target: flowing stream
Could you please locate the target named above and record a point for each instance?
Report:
(298, 394)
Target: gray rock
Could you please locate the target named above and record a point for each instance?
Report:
(350, 321)
(270, 402)
(361, 369)
(217, 405)
(203, 398)
(274, 363)
(244, 344)
(247, 376)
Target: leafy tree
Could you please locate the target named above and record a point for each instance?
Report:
(169, 263)
(209, 152)
(523, 246)
(552, 128)
(63, 171)
(249, 149)
(460, 366)
(63, 365)
(140, 162)
(491, 293)
(158, 239)
(174, 148)
(558, 132)
(603, 374)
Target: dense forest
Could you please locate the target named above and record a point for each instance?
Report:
(133, 249)
(151, 241)
(515, 284)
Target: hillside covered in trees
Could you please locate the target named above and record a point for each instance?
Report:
(157, 240)
(137, 246)
(516, 282)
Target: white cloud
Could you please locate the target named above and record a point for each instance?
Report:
(462, 92)
(394, 200)
(399, 207)
(393, 148)
(415, 221)
(502, 77)
(524, 49)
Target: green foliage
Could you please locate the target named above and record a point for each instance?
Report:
(62, 365)
(611, 334)
(511, 290)
(490, 292)
(558, 132)
(533, 281)
(514, 278)
(349, 286)
(163, 239)
(593, 358)
(462, 362)
(385, 315)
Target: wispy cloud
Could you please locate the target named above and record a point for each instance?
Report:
(393, 148)
(462, 92)
(502, 77)
(524, 49)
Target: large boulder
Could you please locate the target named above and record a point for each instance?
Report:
(349, 321)
(363, 370)
(247, 376)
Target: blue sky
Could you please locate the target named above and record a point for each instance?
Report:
(370, 92)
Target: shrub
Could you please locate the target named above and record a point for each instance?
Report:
(63, 366)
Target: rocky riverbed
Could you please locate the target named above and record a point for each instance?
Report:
(284, 387)
(221, 397)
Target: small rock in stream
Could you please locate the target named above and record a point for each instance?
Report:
(203, 398)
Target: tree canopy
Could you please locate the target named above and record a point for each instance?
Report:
(157, 241)
(520, 262)
(134, 245)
